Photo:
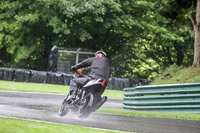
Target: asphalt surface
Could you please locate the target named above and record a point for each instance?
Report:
(37, 106)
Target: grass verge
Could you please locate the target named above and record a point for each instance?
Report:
(11, 125)
(33, 87)
(149, 114)
(49, 88)
(178, 74)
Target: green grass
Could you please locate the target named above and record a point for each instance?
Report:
(178, 74)
(11, 125)
(33, 87)
(149, 114)
(114, 93)
(49, 88)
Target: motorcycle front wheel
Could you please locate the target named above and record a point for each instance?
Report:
(64, 108)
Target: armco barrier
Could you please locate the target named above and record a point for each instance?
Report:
(164, 98)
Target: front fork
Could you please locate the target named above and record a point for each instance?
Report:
(78, 102)
(83, 94)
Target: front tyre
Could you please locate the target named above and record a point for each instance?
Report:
(64, 108)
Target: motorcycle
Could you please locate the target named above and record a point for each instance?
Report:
(88, 98)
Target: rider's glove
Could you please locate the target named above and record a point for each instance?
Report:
(73, 68)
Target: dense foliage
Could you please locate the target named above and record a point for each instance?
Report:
(141, 37)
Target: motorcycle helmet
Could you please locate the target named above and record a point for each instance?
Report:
(100, 54)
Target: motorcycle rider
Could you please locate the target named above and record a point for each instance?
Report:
(99, 69)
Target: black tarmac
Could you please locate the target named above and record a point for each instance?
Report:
(37, 106)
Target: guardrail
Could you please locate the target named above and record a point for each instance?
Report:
(163, 98)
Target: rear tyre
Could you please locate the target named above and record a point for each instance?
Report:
(64, 108)
(86, 109)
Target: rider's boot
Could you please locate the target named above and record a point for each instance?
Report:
(72, 95)
(100, 102)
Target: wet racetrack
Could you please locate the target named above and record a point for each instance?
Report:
(37, 106)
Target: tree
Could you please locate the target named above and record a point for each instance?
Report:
(196, 25)
(141, 37)
(157, 35)
(29, 29)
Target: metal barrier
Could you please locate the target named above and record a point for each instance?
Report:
(164, 98)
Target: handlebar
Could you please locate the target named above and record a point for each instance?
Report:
(78, 73)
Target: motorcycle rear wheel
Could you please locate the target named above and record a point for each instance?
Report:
(86, 109)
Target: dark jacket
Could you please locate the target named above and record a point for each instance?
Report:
(99, 67)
